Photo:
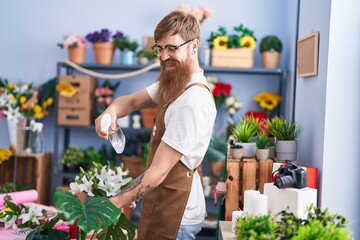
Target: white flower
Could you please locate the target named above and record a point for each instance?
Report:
(232, 111)
(237, 105)
(86, 186)
(34, 212)
(10, 223)
(12, 113)
(230, 101)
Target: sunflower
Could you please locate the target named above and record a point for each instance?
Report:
(65, 89)
(248, 42)
(267, 100)
(220, 42)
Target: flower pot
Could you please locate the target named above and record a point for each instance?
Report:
(271, 152)
(104, 52)
(286, 150)
(77, 54)
(262, 154)
(236, 153)
(217, 167)
(143, 61)
(148, 117)
(270, 59)
(249, 149)
(127, 58)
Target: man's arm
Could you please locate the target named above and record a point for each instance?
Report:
(164, 160)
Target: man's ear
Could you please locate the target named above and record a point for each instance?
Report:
(195, 44)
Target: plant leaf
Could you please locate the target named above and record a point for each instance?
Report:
(116, 231)
(96, 213)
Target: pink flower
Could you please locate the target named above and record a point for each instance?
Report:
(108, 100)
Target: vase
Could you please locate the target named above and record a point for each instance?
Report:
(127, 58)
(104, 52)
(249, 149)
(77, 54)
(286, 150)
(19, 135)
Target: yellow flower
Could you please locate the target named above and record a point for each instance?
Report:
(5, 154)
(220, 42)
(65, 89)
(37, 109)
(267, 100)
(10, 86)
(49, 101)
(22, 100)
(248, 42)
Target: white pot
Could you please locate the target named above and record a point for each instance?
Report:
(262, 154)
(236, 153)
(249, 149)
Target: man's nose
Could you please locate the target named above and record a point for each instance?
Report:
(164, 55)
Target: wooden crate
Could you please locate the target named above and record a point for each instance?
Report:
(31, 170)
(81, 82)
(74, 117)
(244, 175)
(233, 57)
(80, 100)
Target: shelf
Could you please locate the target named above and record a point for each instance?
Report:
(116, 67)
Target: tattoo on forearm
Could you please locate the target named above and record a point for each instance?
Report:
(142, 190)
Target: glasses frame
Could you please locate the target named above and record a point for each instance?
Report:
(161, 49)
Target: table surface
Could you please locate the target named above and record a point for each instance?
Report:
(225, 232)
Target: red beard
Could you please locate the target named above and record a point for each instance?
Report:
(172, 83)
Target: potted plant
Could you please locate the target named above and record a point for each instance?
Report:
(262, 146)
(236, 150)
(102, 45)
(145, 56)
(76, 46)
(286, 134)
(232, 50)
(216, 154)
(244, 133)
(270, 49)
(127, 48)
(72, 158)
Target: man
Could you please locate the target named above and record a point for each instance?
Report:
(173, 204)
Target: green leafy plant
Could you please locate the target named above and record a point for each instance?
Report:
(97, 214)
(262, 140)
(282, 129)
(73, 156)
(255, 227)
(217, 149)
(125, 44)
(270, 43)
(245, 130)
(147, 54)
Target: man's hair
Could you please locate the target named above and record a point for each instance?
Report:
(186, 25)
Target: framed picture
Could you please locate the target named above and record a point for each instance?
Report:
(307, 55)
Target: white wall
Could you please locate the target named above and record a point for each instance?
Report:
(327, 105)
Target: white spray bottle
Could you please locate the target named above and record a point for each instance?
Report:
(117, 138)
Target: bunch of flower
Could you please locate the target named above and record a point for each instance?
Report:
(201, 13)
(241, 38)
(104, 181)
(5, 155)
(104, 94)
(268, 101)
(73, 41)
(20, 216)
(222, 94)
(22, 100)
(104, 35)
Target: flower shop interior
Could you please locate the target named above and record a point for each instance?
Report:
(313, 85)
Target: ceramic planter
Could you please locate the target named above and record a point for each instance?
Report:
(286, 150)
(77, 54)
(236, 153)
(262, 154)
(249, 149)
(104, 52)
(270, 59)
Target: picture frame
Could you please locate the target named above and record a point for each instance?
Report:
(307, 55)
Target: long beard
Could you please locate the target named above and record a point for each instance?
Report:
(172, 83)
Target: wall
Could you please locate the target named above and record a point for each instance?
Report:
(29, 51)
(327, 105)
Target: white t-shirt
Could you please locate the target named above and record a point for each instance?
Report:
(189, 121)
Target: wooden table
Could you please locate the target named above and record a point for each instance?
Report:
(225, 232)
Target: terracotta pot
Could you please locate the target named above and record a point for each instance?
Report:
(104, 52)
(270, 59)
(148, 117)
(77, 54)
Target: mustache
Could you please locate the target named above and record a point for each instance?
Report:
(170, 61)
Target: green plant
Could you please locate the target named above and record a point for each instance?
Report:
(270, 43)
(92, 155)
(108, 155)
(125, 44)
(262, 140)
(97, 213)
(245, 130)
(255, 227)
(282, 129)
(73, 156)
(217, 149)
(147, 54)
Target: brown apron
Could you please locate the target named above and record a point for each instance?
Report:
(163, 207)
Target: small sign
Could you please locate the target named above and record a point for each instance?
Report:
(307, 55)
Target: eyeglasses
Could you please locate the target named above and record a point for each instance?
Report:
(169, 48)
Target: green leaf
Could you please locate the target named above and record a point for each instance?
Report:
(116, 231)
(96, 213)
(41, 233)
